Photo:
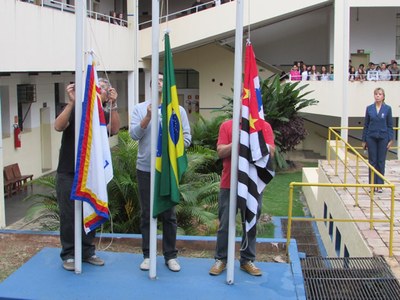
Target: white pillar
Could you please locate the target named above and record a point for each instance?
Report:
(133, 76)
(2, 200)
(341, 59)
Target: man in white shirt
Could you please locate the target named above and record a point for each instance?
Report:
(384, 73)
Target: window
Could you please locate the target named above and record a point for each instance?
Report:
(330, 227)
(59, 97)
(338, 241)
(5, 111)
(26, 95)
(325, 212)
(187, 79)
(346, 252)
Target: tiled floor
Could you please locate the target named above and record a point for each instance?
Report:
(377, 238)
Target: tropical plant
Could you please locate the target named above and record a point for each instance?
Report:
(199, 188)
(44, 207)
(205, 132)
(123, 198)
(281, 102)
(196, 213)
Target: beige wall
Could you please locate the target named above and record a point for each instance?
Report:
(316, 197)
(213, 62)
(360, 94)
(202, 32)
(43, 39)
(36, 153)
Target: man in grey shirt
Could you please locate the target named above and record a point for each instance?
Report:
(140, 130)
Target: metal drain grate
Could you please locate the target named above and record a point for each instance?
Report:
(349, 278)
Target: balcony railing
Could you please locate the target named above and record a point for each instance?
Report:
(182, 13)
(71, 8)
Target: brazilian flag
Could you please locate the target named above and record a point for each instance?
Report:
(171, 161)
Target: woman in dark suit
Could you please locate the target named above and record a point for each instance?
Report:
(378, 133)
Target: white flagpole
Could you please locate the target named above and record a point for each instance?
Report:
(235, 141)
(154, 130)
(80, 13)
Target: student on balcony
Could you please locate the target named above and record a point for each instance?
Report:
(360, 73)
(372, 72)
(294, 74)
(198, 5)
(395, 71)
(384, 74)
(313, 75)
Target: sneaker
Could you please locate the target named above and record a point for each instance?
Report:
(250, 268)
(145, 265)
(173, 265)
(218, 267)
(69, 264)
(94, 260)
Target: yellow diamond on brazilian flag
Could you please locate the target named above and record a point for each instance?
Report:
(171, 161)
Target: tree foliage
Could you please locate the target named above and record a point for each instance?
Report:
(44, 204)
(196, 213)
(282, 102)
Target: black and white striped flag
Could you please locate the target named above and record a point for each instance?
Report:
(256, 138)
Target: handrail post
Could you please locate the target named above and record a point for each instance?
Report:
(337, 155)
(289, 222)
(329, 146)
(371, 205)
(345, 164)
(357, 178)
(391, 221)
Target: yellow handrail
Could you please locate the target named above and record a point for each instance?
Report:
(359, 158)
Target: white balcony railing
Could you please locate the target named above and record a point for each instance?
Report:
(71, 8)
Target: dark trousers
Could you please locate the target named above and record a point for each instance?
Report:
(377, 149)
(168, 220)
(67, 220)
(248, 248)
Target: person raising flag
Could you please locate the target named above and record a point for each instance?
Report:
(255, 153)
(174, 136)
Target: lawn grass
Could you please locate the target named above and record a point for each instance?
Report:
(276, 197)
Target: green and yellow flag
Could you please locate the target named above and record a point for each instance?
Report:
(171, 161)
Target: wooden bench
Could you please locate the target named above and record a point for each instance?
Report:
(14, 180)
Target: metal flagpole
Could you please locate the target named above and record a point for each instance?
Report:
(235, 140)
(80, 13)
(154, 130)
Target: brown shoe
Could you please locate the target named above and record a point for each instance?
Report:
(69, 264)
(94, 260)
(218, 267)
(250, 268)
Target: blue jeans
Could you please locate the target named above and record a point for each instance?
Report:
(168, 220)
(248, 248)
(66, 206)
(377, 149)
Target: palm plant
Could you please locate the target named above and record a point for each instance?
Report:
(123, 196)
(199, 188)
(44, 206)
(205, 132)
(196, 214)
(281, 102)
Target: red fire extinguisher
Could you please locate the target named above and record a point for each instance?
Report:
(17, 136)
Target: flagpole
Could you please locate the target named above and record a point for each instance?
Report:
(235, 141)
(80, 10)
(154, 130)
